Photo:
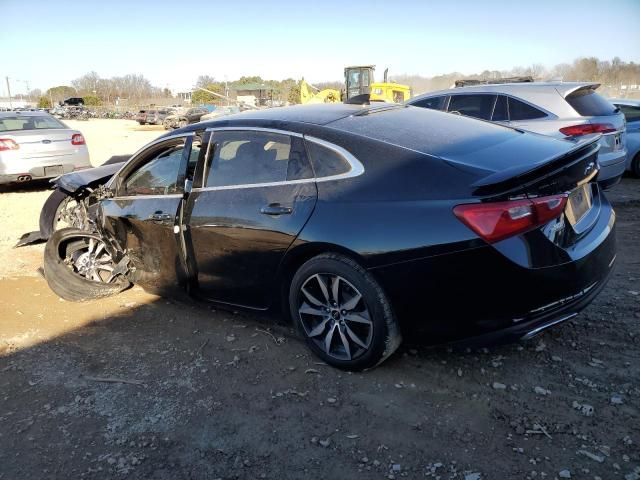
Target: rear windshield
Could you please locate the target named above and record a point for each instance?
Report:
(31, 122)
(588, 103)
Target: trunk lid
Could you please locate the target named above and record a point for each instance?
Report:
(572, 174)
(43, 143)
(558, 174)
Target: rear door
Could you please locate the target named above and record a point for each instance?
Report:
(144, 216)
(250, 200)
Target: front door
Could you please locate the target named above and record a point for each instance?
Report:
(144, 215)
(257, 192)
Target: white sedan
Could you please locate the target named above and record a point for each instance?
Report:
(35, 145)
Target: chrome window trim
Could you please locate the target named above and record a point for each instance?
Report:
(139, 197)
(255, 129)
(356, 168)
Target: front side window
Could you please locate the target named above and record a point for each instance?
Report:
(522, 111)
(476, 106)
(254, 157)
(158, 175)
(434, 103)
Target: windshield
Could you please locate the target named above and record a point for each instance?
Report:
(30, 122)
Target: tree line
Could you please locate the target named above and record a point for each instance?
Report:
(98, 91)
(612, 74)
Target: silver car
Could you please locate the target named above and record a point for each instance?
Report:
(35, 145)
(559, 109)
(631, 110)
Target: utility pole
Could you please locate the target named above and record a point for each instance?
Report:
(9, 91)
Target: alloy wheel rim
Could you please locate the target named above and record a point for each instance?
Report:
(67, 214)
(92, 261)
(335, 316)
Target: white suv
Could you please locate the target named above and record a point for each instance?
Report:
(561, 109)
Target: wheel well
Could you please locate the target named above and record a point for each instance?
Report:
(293, 260)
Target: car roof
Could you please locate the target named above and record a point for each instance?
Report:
(563, 88)
(316, 114)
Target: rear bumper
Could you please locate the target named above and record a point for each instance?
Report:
(17, 168)
(536, 324)
(480, 295)
(612, 169)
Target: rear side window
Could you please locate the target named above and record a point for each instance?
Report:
(434, 103)
(477, 106)
(248, 157)
(632, 114)
(500, 112)
(522, 111)
(326, 162)
(588, 103)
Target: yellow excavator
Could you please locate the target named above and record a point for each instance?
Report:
(358, 81)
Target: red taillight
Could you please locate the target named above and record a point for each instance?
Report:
(500, 220)
(77, 139)
(8, 144)
(587, 128)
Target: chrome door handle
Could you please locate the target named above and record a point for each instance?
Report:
(276, 209)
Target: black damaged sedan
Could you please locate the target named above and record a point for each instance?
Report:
(367, 223)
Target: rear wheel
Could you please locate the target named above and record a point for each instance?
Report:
(78, 267)
(342, 313)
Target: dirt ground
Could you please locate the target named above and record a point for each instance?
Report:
(138, 386)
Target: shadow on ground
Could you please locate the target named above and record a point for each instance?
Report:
(142, 387)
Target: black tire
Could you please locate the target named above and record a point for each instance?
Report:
(63, 279)
(381, 335)
(635, 165)
(50, 213)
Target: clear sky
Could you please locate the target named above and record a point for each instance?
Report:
(51, 42)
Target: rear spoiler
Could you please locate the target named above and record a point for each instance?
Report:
(522, 177)
(569, 88)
